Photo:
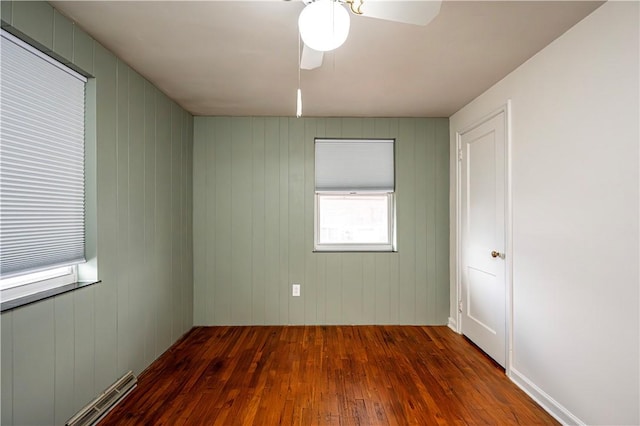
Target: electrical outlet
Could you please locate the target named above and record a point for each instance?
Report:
(295, 290)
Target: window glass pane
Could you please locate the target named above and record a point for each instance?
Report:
(353, 219)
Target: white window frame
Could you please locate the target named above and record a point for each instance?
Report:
(354, 168)
(356, 247)
(38, 282)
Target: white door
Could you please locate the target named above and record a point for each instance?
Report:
(483, 301)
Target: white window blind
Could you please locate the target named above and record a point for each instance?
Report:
(354, 165)
(41, 161)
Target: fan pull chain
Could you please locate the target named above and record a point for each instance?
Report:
(299, 93)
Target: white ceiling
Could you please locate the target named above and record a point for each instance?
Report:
(240, 58)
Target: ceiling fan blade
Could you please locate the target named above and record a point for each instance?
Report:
(310, 59)
(409, 12)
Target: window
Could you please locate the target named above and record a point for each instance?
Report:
(42, 180)
(354, 199)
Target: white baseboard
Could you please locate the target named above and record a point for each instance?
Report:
(552, 406)
(453, 324)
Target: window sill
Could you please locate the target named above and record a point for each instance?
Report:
(45, 294)
(354, 251)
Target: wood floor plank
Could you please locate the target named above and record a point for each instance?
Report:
(325, 375)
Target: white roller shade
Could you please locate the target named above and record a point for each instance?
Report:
(41, 161)
(354, 165)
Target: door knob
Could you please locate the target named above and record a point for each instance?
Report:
(495, 254)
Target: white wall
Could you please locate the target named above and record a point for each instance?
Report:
(575, 160)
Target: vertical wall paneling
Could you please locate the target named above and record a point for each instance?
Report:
(150, 279)
(74, 345)
(34, 19)
(423, 166)
(6, 366)
(406, 202)
(187, 221)
(296, 219)
(258, 276)
(136, 216)
(82, 50)
(162, 287)
(187, 216)
(125, 341)
(150, 263)
(283, 283)
(105, 298)
(333, 293)
(34, 364)
(6, 8)
(220, 209)
(272, 221)
(201, 304)
(310, 296)
(241, 225)
(368, 288)
(254, 208)
(175, 171)
(209, 268)
(64, 358)
(84, 346)
(62, 36)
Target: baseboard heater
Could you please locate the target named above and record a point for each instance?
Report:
(93, 412)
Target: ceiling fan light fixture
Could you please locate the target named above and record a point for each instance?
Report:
(324, 25)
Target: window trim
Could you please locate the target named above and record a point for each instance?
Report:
(86, 273)
(35, 283)
(356, 247)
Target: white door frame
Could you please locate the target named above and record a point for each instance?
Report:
(506, 109)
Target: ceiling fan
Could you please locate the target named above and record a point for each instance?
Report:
(324, 24)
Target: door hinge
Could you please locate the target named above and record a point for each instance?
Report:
(460, 306)
(460, 154)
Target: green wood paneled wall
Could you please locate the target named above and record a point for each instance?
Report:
(60, 353)
(253, 226)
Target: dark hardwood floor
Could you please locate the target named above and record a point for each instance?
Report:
(325, 375)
